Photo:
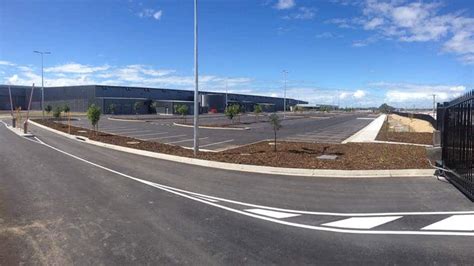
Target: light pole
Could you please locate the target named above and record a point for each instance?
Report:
(226, 92)
(196, 80)
(42, 79)
(285, 73)
(434, 106)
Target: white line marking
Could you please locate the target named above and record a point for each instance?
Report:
(149, 134)
(128, 132)
(216, 143)
(455, 223)
(204, 198)
(184, 140)
(318, 228)
(274, 214)
(362, 222)
(169, 137)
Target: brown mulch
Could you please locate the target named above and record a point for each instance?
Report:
(351, 156)
(406, 137)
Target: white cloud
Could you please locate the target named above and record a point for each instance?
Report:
(150, 13)
(6, 63)
(359, 94)
(415, 22)
(157, 15)
(373, 23)
(303, 13)
(285, 4)
(75, 68)
(418, 93)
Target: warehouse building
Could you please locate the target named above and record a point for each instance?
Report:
(131, 100)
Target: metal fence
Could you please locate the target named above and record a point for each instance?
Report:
(456, 123)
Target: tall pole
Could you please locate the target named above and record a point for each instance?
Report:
(226, 92)
(11, 101)
(285, 73)
(434, 105)
(196, 80)
(42, 87)
(42, 79)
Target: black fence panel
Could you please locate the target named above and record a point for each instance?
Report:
(456, 123)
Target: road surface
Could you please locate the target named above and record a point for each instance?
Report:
(66, 202)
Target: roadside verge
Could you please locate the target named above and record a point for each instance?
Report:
(254, 168)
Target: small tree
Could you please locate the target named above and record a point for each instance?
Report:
(137, 107)
(112, 108)
(276, 125)
(93, 114)
(257, 109)
(66, 109)
(231, 111)
(57, 112)
(182, 109)
(48, 109)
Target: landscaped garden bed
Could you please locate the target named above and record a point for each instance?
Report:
(387, 134)
(351, 156)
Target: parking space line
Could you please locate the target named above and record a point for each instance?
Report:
(149, 134)
(184, 140)
(216, 143)
(128, 132)
(169, 137)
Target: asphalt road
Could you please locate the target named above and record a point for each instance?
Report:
(332, 128)
(65, 202)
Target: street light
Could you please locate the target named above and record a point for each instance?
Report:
(285, 73)
(196, 89)
(42, 79)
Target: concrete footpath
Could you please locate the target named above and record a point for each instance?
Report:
(368, 133)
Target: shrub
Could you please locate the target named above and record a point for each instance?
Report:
(231, 111)
(276, 125)
(93, 114)
(57, 112)
(48, 109)
(66, 109)
(182, 109)
(257, 109)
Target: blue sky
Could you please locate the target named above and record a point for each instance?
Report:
(355, 53)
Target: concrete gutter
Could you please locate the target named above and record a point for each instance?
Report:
(255, 168)
(368, 133)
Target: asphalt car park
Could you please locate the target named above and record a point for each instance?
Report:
(322, 128)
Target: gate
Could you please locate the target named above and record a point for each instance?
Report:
(456, 124)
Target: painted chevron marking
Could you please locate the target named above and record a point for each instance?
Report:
(362, 222)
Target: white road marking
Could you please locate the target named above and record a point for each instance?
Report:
(362, 222)
(169, 137)
(274, 214)
(455, 222)
(128, 132)
(204, 198)
(185, 193)
(216, 143)
(149, 134)
(184, 140)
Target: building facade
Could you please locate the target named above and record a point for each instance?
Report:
(131, 100)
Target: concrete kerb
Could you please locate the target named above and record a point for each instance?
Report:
(256, 168)
(220, 128)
